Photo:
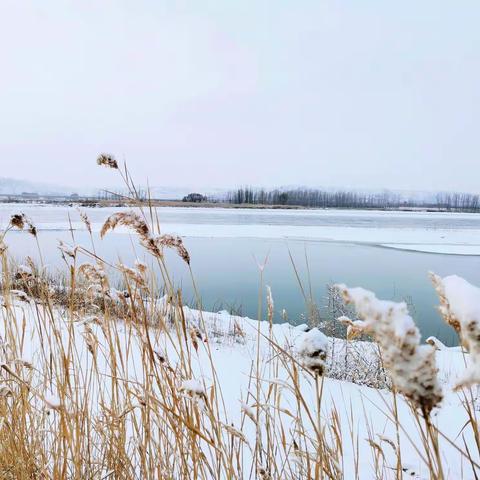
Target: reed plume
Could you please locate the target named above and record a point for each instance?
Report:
(154, 245)
(460, 308)
(171, 241)
(86, 221)
(312, 349)
(270, 304)
(136, 276)
(128, 219)
(20, 221)
(66, 250)
(95, 275)
(411, 365)
(107, 160)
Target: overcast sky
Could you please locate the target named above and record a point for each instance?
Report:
(370, 94)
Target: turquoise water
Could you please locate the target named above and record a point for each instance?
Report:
(226, 271)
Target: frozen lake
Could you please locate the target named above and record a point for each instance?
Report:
(382, 251)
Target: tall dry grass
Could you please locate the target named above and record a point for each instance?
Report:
(120, 384)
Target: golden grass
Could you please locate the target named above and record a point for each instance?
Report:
(104, 400)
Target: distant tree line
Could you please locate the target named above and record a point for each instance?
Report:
(346, 199)
(464, 202)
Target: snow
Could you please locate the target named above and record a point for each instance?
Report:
(411, 365)
(24, 270)
(52, 402)
(435, 342)
(432, 232)
(21, 295)
(446, 249)
(233, 356)
(248, 411)
(463, 297)
(312, 350)
(461, 307)
(193, 386)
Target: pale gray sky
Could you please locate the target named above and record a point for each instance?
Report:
(207, 93)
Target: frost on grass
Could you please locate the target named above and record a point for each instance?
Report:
(195, 390)
(249, 412)
(193, 387)
(153, 244)
(133, 274)
(21, 295)
(24, 271)
(20, 221)
(460, 308)
(127, 219)
(107, 160)
(312, 350)
(435, 342)
(411, 365)
(95, 275)
(52, 402)
(67, 251)
(169, 241)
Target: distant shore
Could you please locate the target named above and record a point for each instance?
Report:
(181, 204)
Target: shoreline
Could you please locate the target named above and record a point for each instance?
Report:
(87, 203)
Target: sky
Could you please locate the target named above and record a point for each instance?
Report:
(219, 93)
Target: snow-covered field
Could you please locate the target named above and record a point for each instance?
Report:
(97, 380)
(225, 355)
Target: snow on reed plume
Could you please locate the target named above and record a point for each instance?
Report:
(107, 160)
(141, 267)
(312, 348)
(270, 304)
(153, 244)
(95, 276)
(411, 365)
(195, 390)
(20, 221)
(85, 220)
(136, 276)
(127, 219)
(67, 251)
(170, 241)
(460, 308)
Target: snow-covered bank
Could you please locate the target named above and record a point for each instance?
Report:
(224, 355)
